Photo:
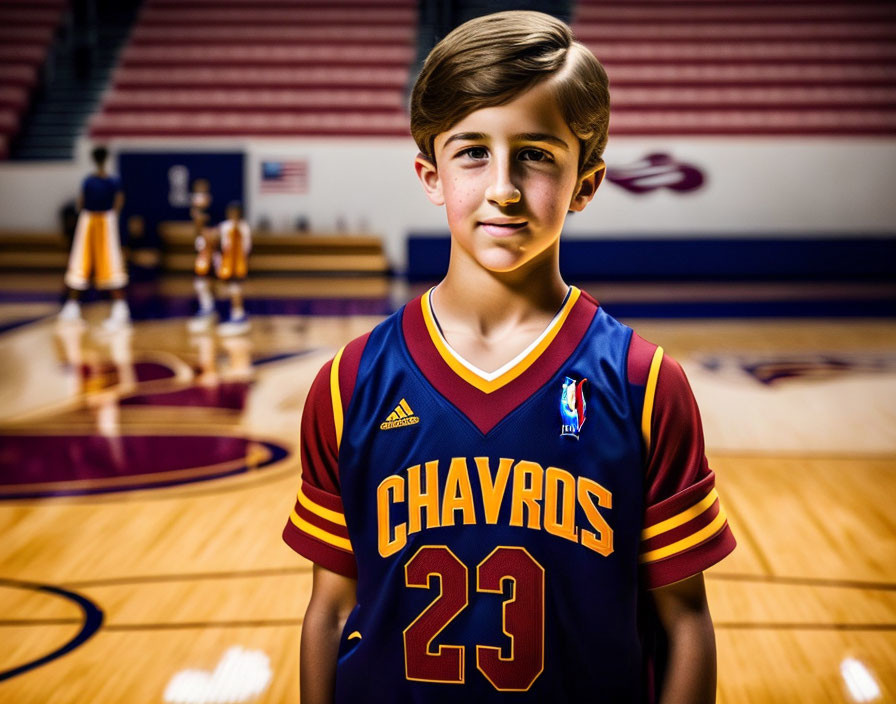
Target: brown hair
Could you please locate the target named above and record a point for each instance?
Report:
(491, 60)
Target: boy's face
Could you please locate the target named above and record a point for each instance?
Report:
(507, 175)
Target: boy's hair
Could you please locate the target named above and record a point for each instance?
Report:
(234, 205)
(493, 59)
(99, 155)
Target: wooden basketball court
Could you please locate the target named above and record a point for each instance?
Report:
(163, 577)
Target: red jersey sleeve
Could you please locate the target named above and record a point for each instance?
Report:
(685, 528)
(316, 528)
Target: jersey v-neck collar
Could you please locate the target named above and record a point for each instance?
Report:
(485, 402)
(490, 381)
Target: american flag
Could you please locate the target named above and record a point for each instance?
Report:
(284, 176)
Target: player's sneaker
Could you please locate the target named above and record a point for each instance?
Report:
(237, 325)
(202, 321)
(119, 317)
(70, 313)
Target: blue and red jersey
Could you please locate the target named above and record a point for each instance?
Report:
(504, 528)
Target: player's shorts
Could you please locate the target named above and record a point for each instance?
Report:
(96, 251)
(233, 265)
(203, 263)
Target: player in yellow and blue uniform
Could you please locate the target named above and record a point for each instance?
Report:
(204, 241)
(233, 266)
(96, 252)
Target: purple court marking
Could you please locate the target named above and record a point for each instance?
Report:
(153, 371)
(227, 395)
(776, 370)
(36, 466)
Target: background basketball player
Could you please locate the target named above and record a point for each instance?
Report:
(96, 249)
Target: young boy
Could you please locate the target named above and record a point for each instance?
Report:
(96, 249)
(504, 491)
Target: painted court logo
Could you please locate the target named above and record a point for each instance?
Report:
(572, 407)
(400, 417)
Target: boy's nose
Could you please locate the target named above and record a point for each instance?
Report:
(503, 190)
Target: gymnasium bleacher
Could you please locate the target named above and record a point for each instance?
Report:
(283, 68)
(746, 68)
(193, 69)
(271, 68)
(26, 36)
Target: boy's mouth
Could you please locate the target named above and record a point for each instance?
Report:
(501, 227)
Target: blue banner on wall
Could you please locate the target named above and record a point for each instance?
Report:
(810, 258)
(157, 184)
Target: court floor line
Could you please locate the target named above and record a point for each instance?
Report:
(770, 626)
(858, 454)
(291, 622)
(15, 622)
(746, 535)
(185, 577)
(305, 569)
(804, 581)
(190, 625)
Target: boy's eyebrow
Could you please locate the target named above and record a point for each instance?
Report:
(465, 137)
(522, 137)
(540, 137)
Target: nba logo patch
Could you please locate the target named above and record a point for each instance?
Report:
(572, 407)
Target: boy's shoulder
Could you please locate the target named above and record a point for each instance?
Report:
(342, 368)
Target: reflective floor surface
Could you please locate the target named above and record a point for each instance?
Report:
(146, 474)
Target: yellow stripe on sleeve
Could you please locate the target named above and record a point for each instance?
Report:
(685, 543)
(649, 393)
(322, 511)
(336, 397)
(680, 518)
(319, 533)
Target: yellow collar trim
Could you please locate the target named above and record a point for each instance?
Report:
(474, 379)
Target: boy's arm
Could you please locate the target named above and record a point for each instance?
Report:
(317, 527)
(691, 657)
(333, 597)
(685, 528)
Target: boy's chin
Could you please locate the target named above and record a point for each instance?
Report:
(500, 260)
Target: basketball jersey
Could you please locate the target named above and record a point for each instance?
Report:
(236, 243)
(99, 192)
(503, 528)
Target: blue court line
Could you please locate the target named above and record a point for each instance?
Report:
(93, 621)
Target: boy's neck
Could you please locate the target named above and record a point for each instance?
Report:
(487, 302)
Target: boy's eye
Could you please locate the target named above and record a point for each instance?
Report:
(475, 152)
(535, 155)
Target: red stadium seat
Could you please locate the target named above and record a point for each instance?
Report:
(315, 67)
(26, 32)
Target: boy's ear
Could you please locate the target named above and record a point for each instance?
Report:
(587, 187)
(429, 177)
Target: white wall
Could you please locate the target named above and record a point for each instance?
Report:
(812, 186)
(31, 194)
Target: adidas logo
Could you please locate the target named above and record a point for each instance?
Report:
(400, 417)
